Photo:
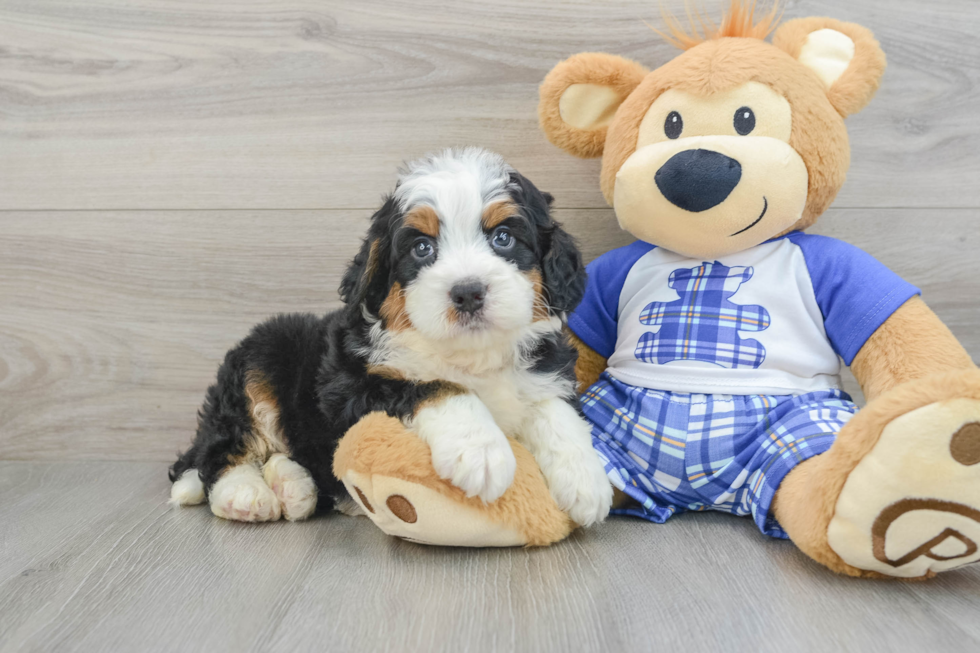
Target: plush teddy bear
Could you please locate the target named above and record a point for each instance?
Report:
(710, 349)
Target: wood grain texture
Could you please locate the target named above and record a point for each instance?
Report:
(230, 104)
(92, 558)
(172, 172)
(113, 324)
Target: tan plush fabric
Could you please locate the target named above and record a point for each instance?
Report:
(855, 88)
(825, 70)
(596, 69)
(715, 232)
(818, 134)
(911, 344)
(910, 508)
(807, 498)
(380, 447)
(589, 365)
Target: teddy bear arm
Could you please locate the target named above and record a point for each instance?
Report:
(589, 365)
(911, 344)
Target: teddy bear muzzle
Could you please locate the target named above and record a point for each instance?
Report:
(708, 196)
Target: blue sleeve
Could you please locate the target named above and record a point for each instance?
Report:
(595, 319)
(854, 291)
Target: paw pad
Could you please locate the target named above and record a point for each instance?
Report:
(911, 506)
(364, 500)
(965, 445)
(402, 508)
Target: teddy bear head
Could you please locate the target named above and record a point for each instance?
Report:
(731, 143)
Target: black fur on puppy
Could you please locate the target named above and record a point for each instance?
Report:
(453, 321)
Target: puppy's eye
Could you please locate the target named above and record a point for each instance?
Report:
(744, 121)
(674, 125)
(502, 239)
(422, 248)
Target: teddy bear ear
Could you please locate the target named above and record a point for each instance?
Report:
(579, 98)
(846, 57)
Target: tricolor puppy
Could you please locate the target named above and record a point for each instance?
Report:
(453, 322)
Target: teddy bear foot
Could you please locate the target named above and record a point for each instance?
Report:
(898, 494)
(388, 472)
(911, 506)
(391, 504)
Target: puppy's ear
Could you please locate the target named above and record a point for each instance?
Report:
(367, 277)
(562, 271)
(580, 96)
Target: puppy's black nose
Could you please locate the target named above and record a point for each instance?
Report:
(468, 296)
(697, 180)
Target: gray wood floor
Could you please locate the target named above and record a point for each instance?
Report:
(99, 562)
(172, 171)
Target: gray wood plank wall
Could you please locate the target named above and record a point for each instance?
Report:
(172, 172)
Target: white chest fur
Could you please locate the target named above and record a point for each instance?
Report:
(494, 368)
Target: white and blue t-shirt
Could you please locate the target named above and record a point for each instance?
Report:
(773, 319)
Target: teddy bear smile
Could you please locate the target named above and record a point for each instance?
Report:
(765, 207)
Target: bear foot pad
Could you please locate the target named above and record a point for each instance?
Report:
(911, 507)
(417, 513)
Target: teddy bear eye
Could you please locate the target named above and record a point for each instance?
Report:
(674, 125)
(744, 121)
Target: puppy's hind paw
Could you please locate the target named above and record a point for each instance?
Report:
(241, 495)
(188, 490)
(292, 485)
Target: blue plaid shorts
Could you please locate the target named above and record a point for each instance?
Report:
(673, 452)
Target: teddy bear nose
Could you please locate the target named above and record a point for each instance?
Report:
(697, 180)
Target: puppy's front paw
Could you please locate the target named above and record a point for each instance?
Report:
(580, 487)
(561, 442)
(468, 448)
(477, 459)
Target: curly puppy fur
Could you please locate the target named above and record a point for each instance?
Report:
(460, 288)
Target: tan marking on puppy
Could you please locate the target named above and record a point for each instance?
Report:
(393, 310)
(445, 390)
(386, 372)
(496, 213)
(425, 219)
(372, 262)
(265, 438)
(540, 301)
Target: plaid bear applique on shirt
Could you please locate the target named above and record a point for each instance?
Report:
(703, 324)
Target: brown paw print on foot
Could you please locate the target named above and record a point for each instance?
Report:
(911, 507)
(424, 515)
